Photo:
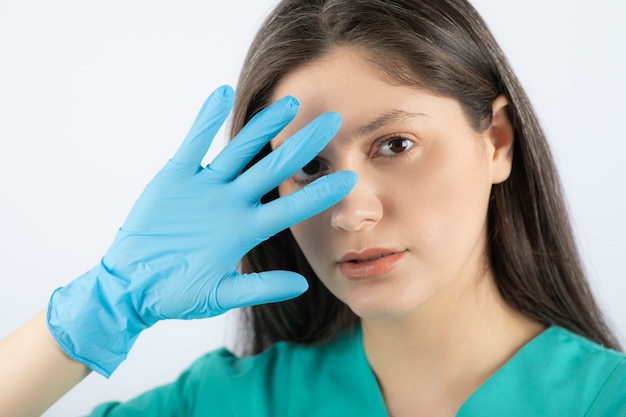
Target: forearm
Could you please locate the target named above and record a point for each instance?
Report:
(176, 255)
(34, 371)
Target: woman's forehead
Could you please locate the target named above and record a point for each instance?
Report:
(365, 101)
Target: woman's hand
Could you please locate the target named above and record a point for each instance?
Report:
(175, 257)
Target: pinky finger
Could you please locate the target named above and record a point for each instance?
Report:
(247, 290)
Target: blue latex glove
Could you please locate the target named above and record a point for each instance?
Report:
(176, 254)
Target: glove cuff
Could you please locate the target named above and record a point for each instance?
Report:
(93, 321)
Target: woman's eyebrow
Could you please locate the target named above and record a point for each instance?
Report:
(393, 116)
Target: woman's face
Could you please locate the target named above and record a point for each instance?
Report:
(412, 232)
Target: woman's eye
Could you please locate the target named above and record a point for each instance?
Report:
(310, 171)
(312, 167)
(395, 146)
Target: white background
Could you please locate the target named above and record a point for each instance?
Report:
(95, 97)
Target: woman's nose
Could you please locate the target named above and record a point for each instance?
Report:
(360, 210)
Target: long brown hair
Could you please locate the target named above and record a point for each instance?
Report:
(442, 46)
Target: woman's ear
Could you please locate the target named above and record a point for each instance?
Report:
(500, 139)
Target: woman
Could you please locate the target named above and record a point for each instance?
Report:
(446, 282)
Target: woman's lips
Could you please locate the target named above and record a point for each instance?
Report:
(368, 264)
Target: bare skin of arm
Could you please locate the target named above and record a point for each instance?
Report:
(34, 371)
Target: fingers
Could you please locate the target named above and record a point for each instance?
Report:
(249, 142)
(212, 115)
(292, 155)
(316, 197)
(258, 288)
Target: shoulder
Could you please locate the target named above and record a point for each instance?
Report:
(573, 355)
(225, 384)
(274, 382)
(567, 344)
(559, 373)
(597, 373)
(280, 357)
(219, 384)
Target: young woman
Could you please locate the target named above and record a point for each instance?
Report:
(445, 281)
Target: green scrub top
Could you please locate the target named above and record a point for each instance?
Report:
(557, 373)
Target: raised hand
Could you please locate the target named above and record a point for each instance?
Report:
(177, 252)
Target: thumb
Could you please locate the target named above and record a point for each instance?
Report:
(247, 290)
